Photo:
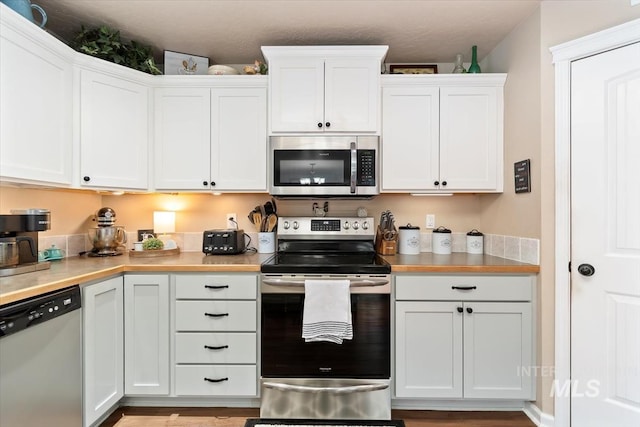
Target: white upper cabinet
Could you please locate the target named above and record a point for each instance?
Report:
(324, 89)
(114, 131)
(442, 133)
(212, 138)
(36, 109)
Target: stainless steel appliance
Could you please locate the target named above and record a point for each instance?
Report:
(324, 380)
(41, 361)
(324, 166)
(223, 242)
(19, 241)
(107, 238)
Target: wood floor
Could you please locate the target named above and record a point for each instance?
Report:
(411, 418)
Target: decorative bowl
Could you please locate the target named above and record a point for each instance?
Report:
(222, 70)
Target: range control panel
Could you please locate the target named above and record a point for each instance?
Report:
(309, 227)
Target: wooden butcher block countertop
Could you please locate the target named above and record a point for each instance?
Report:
(78, 270)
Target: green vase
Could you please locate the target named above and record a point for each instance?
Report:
(474, 67)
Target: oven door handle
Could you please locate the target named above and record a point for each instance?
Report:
(300, 283)
(364, 388)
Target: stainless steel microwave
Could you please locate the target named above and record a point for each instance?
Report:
(324, 166)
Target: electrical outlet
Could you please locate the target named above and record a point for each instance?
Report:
(232, 224)
(431, 221)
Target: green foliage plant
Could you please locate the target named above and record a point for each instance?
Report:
(152, 244)
(105, 43)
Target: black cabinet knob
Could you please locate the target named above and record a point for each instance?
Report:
(213, 183)
(205, 183)
(586, 269)
(319, 124)
(444, 183)
(436, 183)
(86, 178)
(460, 310)
(469, 310)
(328, 124)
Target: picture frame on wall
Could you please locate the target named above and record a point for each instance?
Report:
(413, 69)
(178, 63)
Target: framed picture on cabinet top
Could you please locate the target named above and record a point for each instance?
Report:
(413, 69)
(176, 63)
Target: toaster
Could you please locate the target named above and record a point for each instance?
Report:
(223, 242)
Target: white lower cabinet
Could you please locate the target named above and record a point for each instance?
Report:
(464, 337)
(102, 305)
(146, 334)
(216, 318)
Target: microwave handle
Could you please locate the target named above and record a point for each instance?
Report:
(354, 167)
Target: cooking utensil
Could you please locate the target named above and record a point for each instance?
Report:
(272, 221)
(257, 220)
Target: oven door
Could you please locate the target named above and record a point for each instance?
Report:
(286, 354)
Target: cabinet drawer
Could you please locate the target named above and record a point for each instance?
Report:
(216, 380)
(216, 348)
(216, 286)
(216, 316)
(464, 287)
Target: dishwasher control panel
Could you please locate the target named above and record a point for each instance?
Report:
(18, 316)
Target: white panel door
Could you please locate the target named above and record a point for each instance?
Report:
(114, 132)
(239, 139)
(410, 138)
(182, 139)
(470, 134)
(102, 309)
(605, 206)
(352, 88)
(428, 349)
(297, 95)
(498, 350)
(146, 334)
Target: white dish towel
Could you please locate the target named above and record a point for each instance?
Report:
(327, 311)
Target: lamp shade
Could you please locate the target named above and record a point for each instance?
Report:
(164, 222)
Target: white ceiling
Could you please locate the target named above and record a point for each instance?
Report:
(232, 31)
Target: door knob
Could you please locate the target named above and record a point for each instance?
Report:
(586, 269)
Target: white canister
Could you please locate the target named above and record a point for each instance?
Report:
(475, 242)
(441, 241)
(266, 242)
(409, 240)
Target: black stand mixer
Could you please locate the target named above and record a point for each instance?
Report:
(107, 238)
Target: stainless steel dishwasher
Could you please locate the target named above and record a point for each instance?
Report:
(41, 361)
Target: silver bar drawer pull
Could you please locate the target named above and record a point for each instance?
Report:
(219, 347)
(216, 287)
(216, 314)
(464, 288)
(219, 380)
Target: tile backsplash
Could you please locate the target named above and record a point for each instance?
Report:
(511, 247)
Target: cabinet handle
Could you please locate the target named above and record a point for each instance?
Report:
(328, 124)
(219, 380)
(216, 315)
(220, 347)
(319, 124)
(444, 183)
(86, 178)
(469, 310)
(205, 183)
(216, 287)
(460, 310)
(464, 288)
(213, 183)
(436, 183)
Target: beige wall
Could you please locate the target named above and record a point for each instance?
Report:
(529, 133)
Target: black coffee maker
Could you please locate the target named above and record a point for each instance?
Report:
(19, 240)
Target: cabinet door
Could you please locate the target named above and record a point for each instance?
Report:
(146, 334)
(428, 349)
(471, 138)
(114, 134)
(182, 139)
(239, 139)
(410, 138)
(35, 108)
(297, 95)
(103, 347)
(498, 350)
(351, 95)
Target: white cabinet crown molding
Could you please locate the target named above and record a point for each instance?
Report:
(352, 52)
(201, 81)
(477, 80)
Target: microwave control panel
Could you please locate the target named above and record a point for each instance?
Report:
(367, 168)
